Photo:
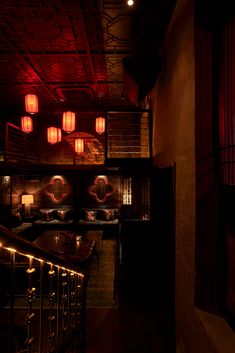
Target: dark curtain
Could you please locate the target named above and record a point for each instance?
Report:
(227, 104)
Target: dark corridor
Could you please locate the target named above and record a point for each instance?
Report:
(144, 320)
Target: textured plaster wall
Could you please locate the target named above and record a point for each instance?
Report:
(174, 142)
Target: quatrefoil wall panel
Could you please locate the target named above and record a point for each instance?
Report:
(101, 189)
(57, 190)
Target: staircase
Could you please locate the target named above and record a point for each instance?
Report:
(42, 300)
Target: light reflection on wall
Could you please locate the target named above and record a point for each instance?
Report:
(58, 189)
(127, 191)
(101, 189)
(6, 190)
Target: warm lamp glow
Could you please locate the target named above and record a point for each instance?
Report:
(79, 145)
(130, 2)
(68, 123)
(27, 124)
(127, 191)
(26, 200)
(31, 103)
(100, 125)
(53, 135)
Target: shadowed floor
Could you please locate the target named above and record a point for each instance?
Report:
(143, 320)
(101, 289)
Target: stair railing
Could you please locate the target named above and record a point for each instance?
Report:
(42, 299)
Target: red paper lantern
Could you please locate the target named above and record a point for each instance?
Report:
(53, 135)
(31, 103)
(68, 123)
(27, 124)
(79, 145)
(100, 125)
(59, 135)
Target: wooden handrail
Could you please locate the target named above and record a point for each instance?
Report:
(11, 240)
(61, 293)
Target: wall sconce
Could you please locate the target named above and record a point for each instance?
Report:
(68, 122)
(100, 125)
(26, 124)
(31, 103)
(26, 200)
(53, 135)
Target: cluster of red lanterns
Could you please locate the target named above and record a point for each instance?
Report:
(54, 134)
(31, 106)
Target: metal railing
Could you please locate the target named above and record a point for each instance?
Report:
(42, 300)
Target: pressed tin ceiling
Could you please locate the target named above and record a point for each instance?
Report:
(71, 53)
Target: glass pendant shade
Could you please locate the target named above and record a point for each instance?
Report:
(53, 135)
(68, 123)
(100, 125)
(26, 124)
(79, 145)
(31, 103)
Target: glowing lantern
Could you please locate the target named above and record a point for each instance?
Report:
(27, 124)
(59, 135)
(100, 125)
(31, 103)
(68, 123)
(53, 135)
(79, 145)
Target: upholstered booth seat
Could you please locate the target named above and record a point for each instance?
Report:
(98, 216)
(98, 222)
(52, 222)
(50, 216)
(21, 228)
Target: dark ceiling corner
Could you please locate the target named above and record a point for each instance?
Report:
(213, 15)
(143, 70)
(75, 54)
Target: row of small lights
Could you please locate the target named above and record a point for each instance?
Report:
(31, 257)
(53, 133)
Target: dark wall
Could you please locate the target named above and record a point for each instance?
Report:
(48, 191)
(206, 175)
(78, 190)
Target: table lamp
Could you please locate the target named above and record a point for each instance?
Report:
(26, 201)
